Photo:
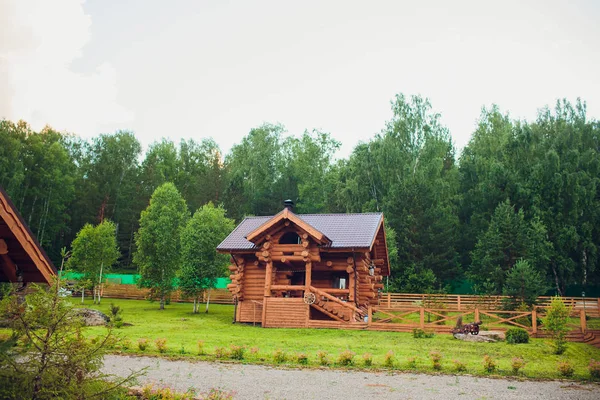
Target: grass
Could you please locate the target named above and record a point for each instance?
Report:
(183, 330)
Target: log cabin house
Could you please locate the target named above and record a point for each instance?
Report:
(22, 259)
(309, 270)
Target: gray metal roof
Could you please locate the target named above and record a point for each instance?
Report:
(344, 230)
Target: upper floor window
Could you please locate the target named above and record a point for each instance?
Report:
(290, 238)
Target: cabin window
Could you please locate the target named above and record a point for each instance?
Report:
(290, 238)
(339, 282)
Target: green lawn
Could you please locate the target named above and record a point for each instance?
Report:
(183, 330)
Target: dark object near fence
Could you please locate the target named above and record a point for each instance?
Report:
(472, 328)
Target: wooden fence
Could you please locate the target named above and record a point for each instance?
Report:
(444, 319)
(113, 291)
(590, 305)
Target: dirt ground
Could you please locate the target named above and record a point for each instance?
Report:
(259, 382)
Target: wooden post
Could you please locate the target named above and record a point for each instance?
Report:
(389, 300)
(264, 313)
(369, 316)
(308, 283)
(582, 320)
(476, 314)
(422, 318)
(351, 283)
(458, 302)
(534, 321)
(268, 279)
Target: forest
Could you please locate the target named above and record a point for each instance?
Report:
(519, 190)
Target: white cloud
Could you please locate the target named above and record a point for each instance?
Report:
(38, 42)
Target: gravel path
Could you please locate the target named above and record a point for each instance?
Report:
(259, 382)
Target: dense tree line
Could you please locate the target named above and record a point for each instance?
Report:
(520, 190)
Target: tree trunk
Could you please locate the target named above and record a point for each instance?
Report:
(162, 302)
(100, 280)
(82, 294)
(207, 301)
(195, 306)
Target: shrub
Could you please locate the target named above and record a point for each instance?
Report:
(182, 349)
(516, 364)
(367, 359)
(489, 364)
(279, 356)
(322, 357)
(217, 394)
(161, 345)
(556, 320)
(302, 358)
(565, 368)
(388, 361)
(220, 352)
(125, 344)
(594, 368)
(236, 352)
(200, 347)
(421, 334)
(254, 350)
(142, 344)
(412, 362)
(517, 335)
(436, 358)
(459, 366)
(346, 357)
(116, 316)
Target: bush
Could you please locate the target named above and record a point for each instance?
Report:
(421, 334)
(412, 362)
(254, 350)
(200, 347)
(489, 364)
(142, 344)
(220, 352)
(236, 352)
(565, 368)
(388, 361)
(594, 368)
(161, 345)
(125, 344)
(517, 364)
(436, 358)
(323, 357)
(368, 359)
(302, 358)
(279, 356)
(346, 357)
(459, 366)
(517, 335)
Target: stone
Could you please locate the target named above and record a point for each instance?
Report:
(92, 317)
(483, 337)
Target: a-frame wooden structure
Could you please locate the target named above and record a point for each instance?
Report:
(293, 270)
(22, 259)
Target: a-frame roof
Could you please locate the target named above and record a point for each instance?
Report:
(287, 215)
(344, 231)
(18, 247)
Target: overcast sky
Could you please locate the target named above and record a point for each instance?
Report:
(195, 69)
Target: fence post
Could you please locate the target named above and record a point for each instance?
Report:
(458, 302)
(476, 314)
(369, 316)
(389, 300)
(582, 321)
(534, 321)
(422, 318)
